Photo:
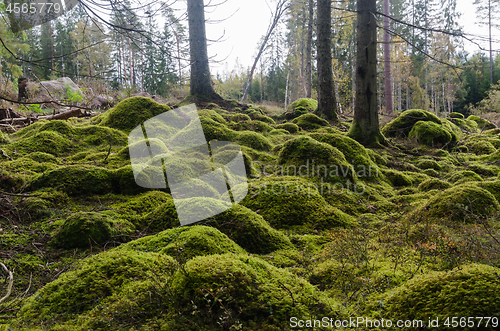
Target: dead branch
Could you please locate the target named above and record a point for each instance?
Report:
(11, 281)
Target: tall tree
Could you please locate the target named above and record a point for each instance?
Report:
(488, 10)
(365, 126)
(327, 105)
(201, 81)
(387, 61)
(308, 71)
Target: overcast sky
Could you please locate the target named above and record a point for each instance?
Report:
(245, 28)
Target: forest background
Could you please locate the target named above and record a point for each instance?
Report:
(431, 69)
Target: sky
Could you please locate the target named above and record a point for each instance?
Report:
(247, 21)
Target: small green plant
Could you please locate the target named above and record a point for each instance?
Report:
(73, 96)
(34, 108)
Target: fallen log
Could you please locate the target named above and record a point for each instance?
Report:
(28, 120)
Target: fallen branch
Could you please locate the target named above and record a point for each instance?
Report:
(61, 116)
(11, 281)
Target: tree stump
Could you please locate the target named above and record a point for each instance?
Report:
(22, 83)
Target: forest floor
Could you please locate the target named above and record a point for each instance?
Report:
(329, 231)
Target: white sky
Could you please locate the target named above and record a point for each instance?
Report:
(245, 28)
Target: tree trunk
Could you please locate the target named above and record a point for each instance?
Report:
(365, 126)
(201, 81)
(387, 61)
(308, 71)
(327, 105)
(491, 50)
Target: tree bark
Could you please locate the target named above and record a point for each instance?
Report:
(365, 126)
(308, 71)
(387, 61)
(327, 105)
(201, 81)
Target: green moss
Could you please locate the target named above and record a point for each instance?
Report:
(397, 178)
(456, 115)
(131, 112)
(213, 131)
(127, 281)
(482, 123)
(212, 114)
(471, 290)
(185, 243)
(309, 122)
(403, 124)
(77, 180)
(431, 173)
(4, 139)
(306, 157)
(46, 141)
(492, 132)
(464, 175)
(290, 127)
(376, 157)
(35, 208)
(250, 290)
(467, 126)
(433, 184)
(429, 164)
(310, 105)
(42, 157)
(254, 140)
(431, 134)
(484, 170)
(491, 186)
(354, 153)
(480, 147)
(95, 135)
(279, 132)
(290, 204)
(143, 203)
(465, 202)
(236, 117)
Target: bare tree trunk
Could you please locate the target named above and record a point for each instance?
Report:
(327, 105)
(491, 49)
(387, 61)
(308, 73)
(201, 81)
(365, 126)
(281, 8)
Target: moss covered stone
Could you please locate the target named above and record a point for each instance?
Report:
(85, 229)
(250, 290)
(309, 122)
(143, 203)
(398, 178)
(431, 134)
(471, 290)
(465, 202)
(482, 123)
(456, 115)
(481, 147)
(46, 141)
(290, 127)
(185, 243)
(95, 135)
(492, 186)
(463, 176)
(254, 140)
(290, 204)
(77, 180)
(126, 281)
(354, 153)
(403, 124)
(306, 157)
(433, 184)
(131, 112)
(429, 164)
(300, 107)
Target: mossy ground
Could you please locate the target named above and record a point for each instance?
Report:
(93, 250)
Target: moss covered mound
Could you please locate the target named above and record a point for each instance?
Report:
(254, 140)
(131, 112)
(431, 134)
(433, 184)
(482, 124)
(429, 164)
(480, 147)
(398, 178)
(402, 125)
(354, 153)
(84, 229)
(471, 290)
(77, 180)
(124, 284)
(185, 243)
(143, 203)
(310, 122)
(463, 176)
(50, 142)
(456, 115)
(287, 203)
(290, 127)
(254, 293)
(306, 157)
(249, 230)
(96, 135)
(300, 107)
(465, 202)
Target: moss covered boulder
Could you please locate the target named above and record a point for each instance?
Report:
(310, 122)
(480, 147)
(482, 124)
(463, 176)
(50, 142)
(185, 243)
(131, 112)
(300, 107)
(307, 157)
(471, 290)
(290, 127)
(403, 124)
(462, 203)
(432, 134)
(123, 284)
(257, 295)
(84, 229)
(254, 140)
(287, 203)
(456, 115)
(433, 184)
